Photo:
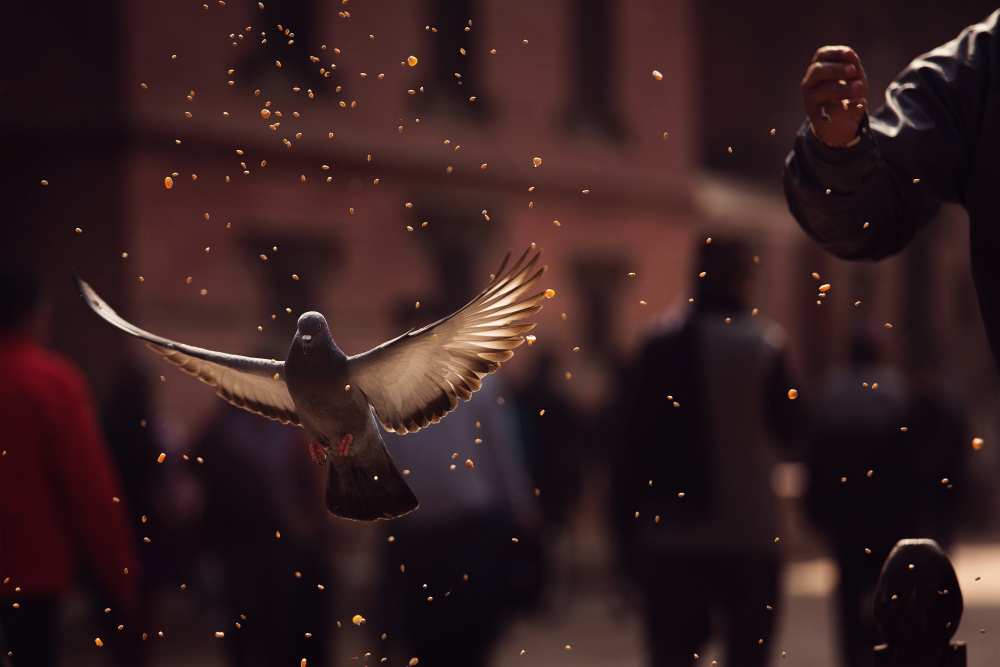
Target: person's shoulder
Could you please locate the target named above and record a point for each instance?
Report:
(967, 47)
(664, 328)
(764, 330)
(57, 370)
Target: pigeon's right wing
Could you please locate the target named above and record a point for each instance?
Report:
(416, 379)
(256, 385)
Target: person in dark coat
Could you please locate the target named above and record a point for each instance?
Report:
(863, 185)
(265, 520)
(697, 520)
(859, 495)
(884, 463)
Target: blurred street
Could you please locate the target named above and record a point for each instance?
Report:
(601, 632)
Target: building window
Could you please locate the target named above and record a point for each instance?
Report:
(290, 28)
(456, 87)
(593, 61)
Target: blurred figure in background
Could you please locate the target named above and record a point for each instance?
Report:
(692, 498)
(550, 444)
(58, 487)
(475, 498)
(939, 447)
(266, 522)
(133, 440)
(879, 458)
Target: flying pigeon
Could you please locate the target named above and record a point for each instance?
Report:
(406, 383)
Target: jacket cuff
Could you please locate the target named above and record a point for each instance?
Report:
(842, 170)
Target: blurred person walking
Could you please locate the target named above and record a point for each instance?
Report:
(550, 444)
(469, 556)
(265, 520)
(697, 520)
(883, 464)
(58, 486)
(453, 569)
(863, 185)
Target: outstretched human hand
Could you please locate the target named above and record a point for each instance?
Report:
(835, 94)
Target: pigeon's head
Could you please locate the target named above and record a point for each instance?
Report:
(311, 328)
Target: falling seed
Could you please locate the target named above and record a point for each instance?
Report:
(413, 662)
(824, 288)
(793, 394)
(470, 464)
(265, 113)
(658, 75)
(161, 458)
(530, 339)
(45, 183)
(358, 619)
(78, 231)
(168, 182)
(550, 293)
(412, 61)
(536, 162)
(977, 443)
(98, 642)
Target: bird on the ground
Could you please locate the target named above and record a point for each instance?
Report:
(406, 384)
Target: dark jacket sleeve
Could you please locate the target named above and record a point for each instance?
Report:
(915, 152)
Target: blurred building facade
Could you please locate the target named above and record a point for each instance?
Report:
(296, 130)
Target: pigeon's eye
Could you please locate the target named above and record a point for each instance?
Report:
(307, 337)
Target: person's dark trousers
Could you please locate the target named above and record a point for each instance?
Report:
(858, 574)
(31, 630)
(687, 593)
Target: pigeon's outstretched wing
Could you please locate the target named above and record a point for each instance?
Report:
(416, 379)
(256, 385)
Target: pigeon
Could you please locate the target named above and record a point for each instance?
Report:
(406, 384)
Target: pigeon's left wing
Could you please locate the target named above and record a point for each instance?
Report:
(416, 379)
(256, 385)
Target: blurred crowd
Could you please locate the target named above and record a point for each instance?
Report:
(686, 438)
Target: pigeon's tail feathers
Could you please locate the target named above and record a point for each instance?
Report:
(367, 486)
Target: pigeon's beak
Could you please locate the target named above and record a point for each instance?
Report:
(307, 337)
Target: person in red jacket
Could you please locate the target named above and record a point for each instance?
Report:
(59, 493)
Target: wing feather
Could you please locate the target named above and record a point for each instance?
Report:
(416, 379)
(256, 385)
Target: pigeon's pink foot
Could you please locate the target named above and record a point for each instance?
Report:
(317, 452)
(344, 446)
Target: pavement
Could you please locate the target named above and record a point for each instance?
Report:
(593, 626)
